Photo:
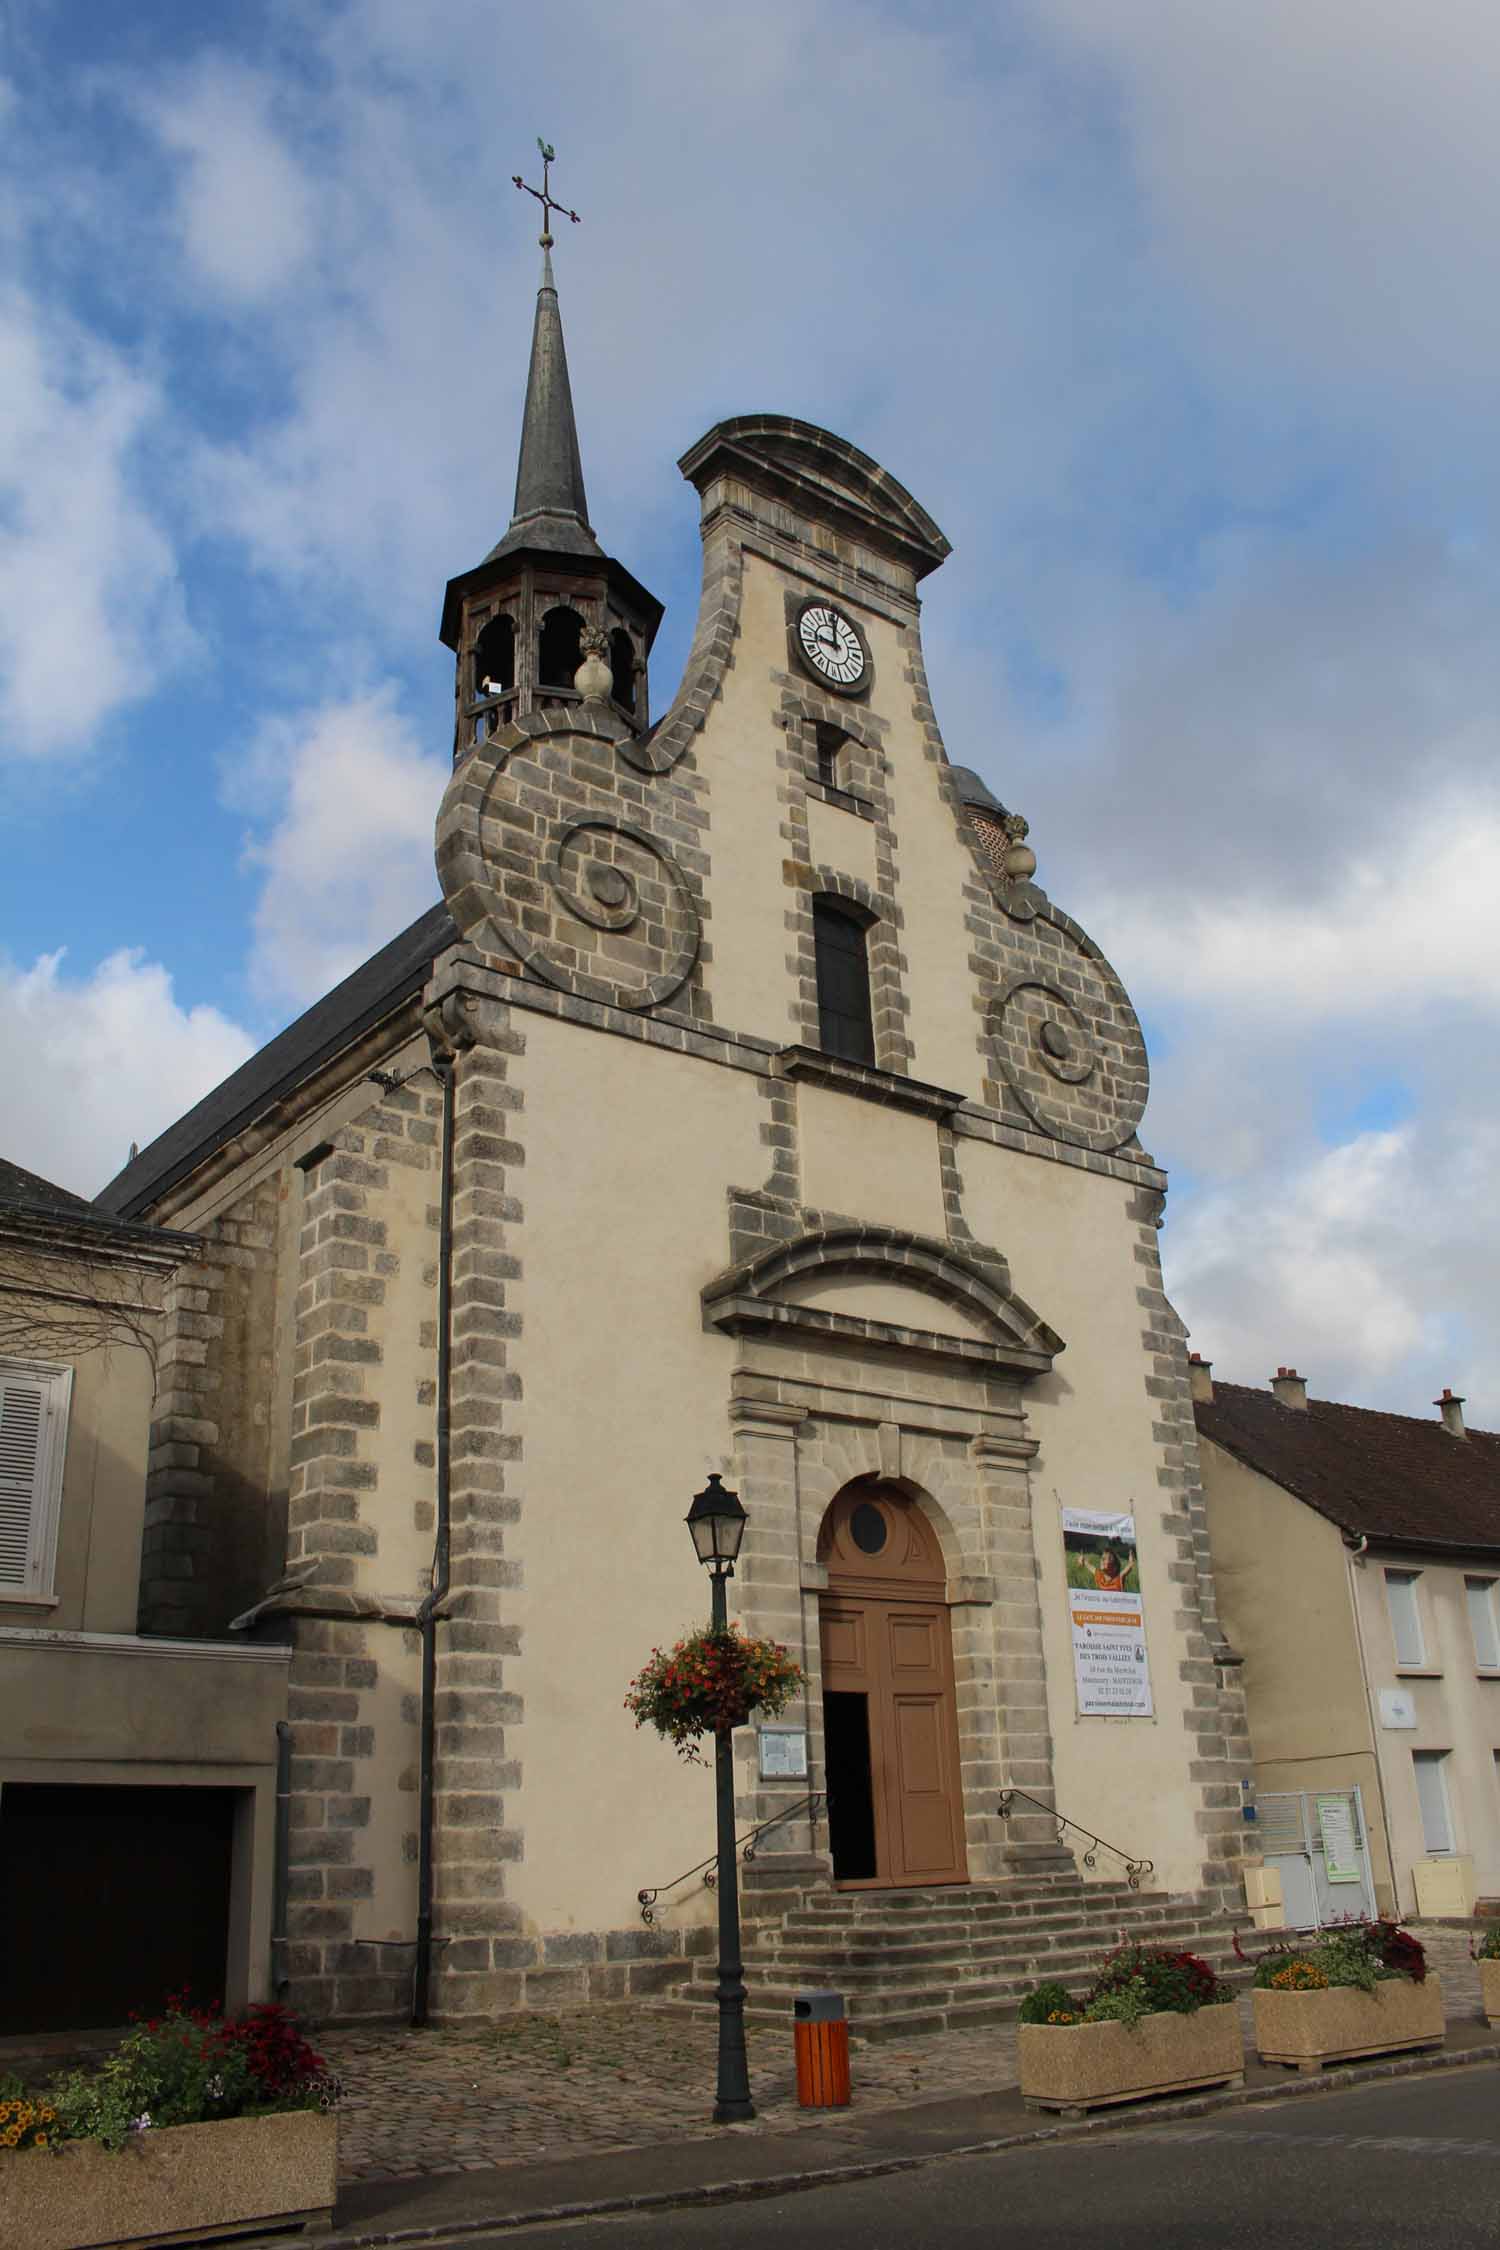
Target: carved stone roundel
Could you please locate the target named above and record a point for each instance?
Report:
(1075, 1063)
(592, 903)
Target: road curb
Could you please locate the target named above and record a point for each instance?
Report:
(1110, 2121)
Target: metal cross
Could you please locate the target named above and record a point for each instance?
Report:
(545, 196)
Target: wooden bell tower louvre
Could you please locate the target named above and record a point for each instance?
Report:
(521, 622)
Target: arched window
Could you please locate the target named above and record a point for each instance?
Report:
(560, 649)
(495, 656)
(844, 1021)
(622, 664)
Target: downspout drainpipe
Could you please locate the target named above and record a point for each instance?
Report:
(280, 1858)
(443, 1063)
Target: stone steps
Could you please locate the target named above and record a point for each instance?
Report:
(909, 1962)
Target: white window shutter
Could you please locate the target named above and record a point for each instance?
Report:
(32, 1410)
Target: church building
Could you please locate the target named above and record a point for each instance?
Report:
(746, 1107)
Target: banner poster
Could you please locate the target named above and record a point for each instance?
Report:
(1104, 1609)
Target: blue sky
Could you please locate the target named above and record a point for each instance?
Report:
(1179, 320)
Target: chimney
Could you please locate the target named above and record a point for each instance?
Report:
(1290, 1388)
(1201, 1375)
(1452, 1411)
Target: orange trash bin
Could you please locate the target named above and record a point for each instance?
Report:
(820, 2033)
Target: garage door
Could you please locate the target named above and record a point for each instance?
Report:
(110, 1898)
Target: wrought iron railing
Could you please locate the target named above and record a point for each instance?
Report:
(1134, 1868)
(707, 1870)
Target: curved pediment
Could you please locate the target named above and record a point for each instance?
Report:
(883, 1287)
(824, 478)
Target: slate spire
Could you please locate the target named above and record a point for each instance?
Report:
(551, 509)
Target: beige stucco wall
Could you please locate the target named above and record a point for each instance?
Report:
(1284, 1597)
(622, 1230)
(1457, 1710)
(1071, 1245)
(96, 1581)
(868, 1162)
(746, 893)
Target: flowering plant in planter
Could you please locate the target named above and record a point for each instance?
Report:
(1135, 1981)
(1154, 2021)
(709, 1683)
(188, 2066)
(1488, 1948)
(1355, 1953)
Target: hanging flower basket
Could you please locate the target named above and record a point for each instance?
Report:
(709, 1684)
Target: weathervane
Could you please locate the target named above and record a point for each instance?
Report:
(544, 195)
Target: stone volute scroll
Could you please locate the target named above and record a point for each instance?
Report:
(544, 861)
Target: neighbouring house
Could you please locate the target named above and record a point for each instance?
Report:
(1357, 1556)
(746, 1108)
(137, 1771)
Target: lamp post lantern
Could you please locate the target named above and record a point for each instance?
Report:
(717, 1523)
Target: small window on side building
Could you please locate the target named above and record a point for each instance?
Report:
(1480, 1593)
(1406, 1618)
(33, 1436)
(1432, 1797)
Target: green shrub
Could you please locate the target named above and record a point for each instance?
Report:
(1119, 2003)
(1347, 1958)
(1488, 1948)
(189, 2067)
(1173, 1983)
(1046, 2001)
(1269, 1966)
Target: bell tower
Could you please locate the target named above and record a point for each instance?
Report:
(546, 597)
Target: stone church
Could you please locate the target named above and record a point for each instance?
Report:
(746, 1107)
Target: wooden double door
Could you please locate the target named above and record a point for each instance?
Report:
(890, 1731)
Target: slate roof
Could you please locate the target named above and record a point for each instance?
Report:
(331, 1024)
(1391, 1477)
(29, 1189)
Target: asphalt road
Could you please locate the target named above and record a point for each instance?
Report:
(1412, 2165)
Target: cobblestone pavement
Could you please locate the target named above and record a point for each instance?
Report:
(526, 2088)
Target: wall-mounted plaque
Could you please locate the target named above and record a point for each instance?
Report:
(783, 1753)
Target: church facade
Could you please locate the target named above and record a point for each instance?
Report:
(746, 1107)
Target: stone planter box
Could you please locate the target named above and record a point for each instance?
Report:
(186, 2183)
(1308, 2029)
(1489, 1989)
(1080, 2066)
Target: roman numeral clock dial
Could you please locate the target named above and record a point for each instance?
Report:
(831, 646)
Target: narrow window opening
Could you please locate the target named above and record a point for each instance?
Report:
(560, 650)
(1432, 1797)
(845, 1024)
(495, 657)
(832, 766)
(622, 664)
(1482, 1623)
(1406, 1621)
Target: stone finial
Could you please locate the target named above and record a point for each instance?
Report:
(1201, 1376)
(1452, 1411)
(1290, 1388)
(1019, 864)
(593, 679)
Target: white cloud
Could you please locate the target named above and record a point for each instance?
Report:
(1410, 925)
(99, 1061)
(244, 206)
(91, 611)
(1365, 1266)
(350, 797)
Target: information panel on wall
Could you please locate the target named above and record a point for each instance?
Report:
(1104, 1611)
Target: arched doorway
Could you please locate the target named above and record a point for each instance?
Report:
(890, 1727)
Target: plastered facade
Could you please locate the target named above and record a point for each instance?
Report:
(685, 1239)
(1310, 1612)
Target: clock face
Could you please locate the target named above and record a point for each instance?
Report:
(831, 645)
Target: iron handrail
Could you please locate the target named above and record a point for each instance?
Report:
(1134, 1868)
(708, 1869)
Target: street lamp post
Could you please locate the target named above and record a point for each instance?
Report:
(717, 1523)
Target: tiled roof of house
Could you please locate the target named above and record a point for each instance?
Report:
(29, 1189)
(1391, 1477)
